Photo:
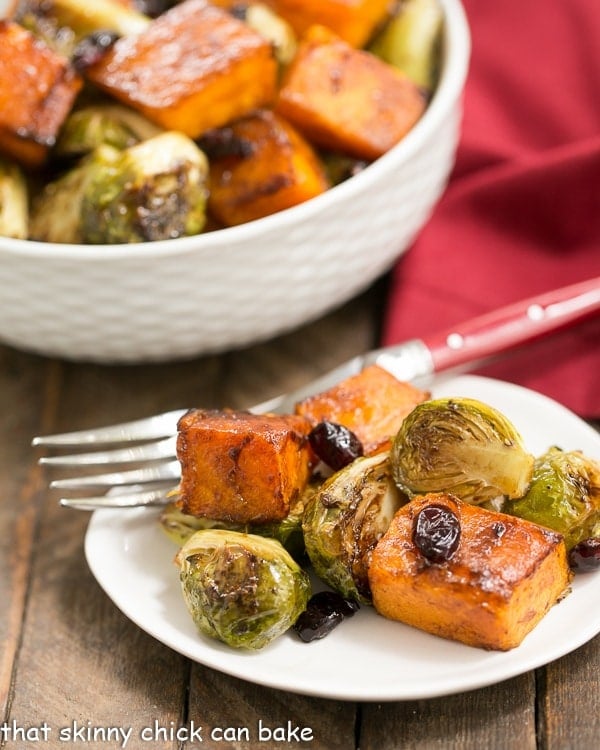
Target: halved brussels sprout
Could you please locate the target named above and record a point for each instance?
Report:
(462, 446)
(411, 41)
(89, 127)
(180, 526)
(344, 521)
(242, 589)
(564, 495)
(154, 190)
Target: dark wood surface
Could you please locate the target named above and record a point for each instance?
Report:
(69, 655)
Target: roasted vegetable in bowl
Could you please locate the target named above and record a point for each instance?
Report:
(242, 589)
(462, 446)
(271, 70)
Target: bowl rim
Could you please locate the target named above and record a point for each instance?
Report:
(454, 72)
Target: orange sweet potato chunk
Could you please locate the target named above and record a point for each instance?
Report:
(502, 579)
(347, 99)
(372, 404)
(355, 21)
(37, 91)
(241, 467)
(194, 68)
(276, 169)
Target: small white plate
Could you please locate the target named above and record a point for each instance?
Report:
(366, 658)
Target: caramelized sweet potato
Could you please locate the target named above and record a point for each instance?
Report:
(194, 68)
(347, 99)
(372, 404)
(242, 467)
(502, 579)
(37, 91)
(272, 168)
(353, 20)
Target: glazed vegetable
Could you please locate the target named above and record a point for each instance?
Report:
(564, 495)
(353, 20)
(242, 589)
(194, 68)
(151, 191)
(279, 170)
(488, 587)
(344, 521)
(89, 127)
(410, 41)
(13, 201)
(38, 88)
(462, 446)
(369, 108)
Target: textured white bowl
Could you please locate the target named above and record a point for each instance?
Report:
(196, 295)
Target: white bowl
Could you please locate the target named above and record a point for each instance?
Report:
(233, 287)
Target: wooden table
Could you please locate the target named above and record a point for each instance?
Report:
(71, 660)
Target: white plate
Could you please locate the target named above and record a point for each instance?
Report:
(367, 657)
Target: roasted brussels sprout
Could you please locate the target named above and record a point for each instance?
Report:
(13, 201)
(180, 526)
(63, 24)
(153, 190)
(462, 446)
(84, 17)
(564, 495)
(56, 211)
(242, 589)
(344, 521)
(89, 127)
(411, 41)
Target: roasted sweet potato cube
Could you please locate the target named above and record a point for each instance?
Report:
(37, 91)
(270, 167)
(372, 404)
(501, 580)
(194, 68)
(242, 467)
(353, 20)
(347, 99)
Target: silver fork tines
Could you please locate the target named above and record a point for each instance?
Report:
(158, 474)
(150, 428)
(158, 451)
(146, 498)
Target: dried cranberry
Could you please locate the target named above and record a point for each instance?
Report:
(324, 612)
(436, 532)
(92, 48)
(585, 556)
(334, 444)
(153, 8)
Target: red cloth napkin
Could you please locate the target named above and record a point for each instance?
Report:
(521, 214)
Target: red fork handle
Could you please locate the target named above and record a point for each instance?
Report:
(515, 324)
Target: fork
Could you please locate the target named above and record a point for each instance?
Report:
(151, 442)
